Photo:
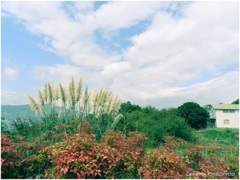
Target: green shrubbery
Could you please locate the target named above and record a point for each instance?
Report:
(26, 128)
(154, 123)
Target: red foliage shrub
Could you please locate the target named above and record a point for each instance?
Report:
(80, 156)
(216, 168)
(130, 149)
(158, 164)
(25, 158)
(115, 156)
(170, 142)
(112, 137)
(136, 139)
(232, 166)
(11, 160)
(85, 127)
(195, 152)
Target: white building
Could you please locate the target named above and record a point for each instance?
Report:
(224, 115)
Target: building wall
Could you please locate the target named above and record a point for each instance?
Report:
(232, 117)
(212, 113)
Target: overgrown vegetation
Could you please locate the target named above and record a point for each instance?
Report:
(154, 123)
(85, 136)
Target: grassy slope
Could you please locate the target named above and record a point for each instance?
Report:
(225, 140)
(218, 136)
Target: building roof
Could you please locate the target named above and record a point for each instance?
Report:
(226, 106)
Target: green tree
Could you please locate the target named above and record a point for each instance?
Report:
(236, 101)
(194, 114)
(129, 107)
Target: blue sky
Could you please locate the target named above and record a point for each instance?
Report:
(151, 53)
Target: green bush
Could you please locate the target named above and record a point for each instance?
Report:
(26, 128)
(154, 123)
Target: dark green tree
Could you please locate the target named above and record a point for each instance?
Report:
(236, 101)
(194, 114)
(129, 107)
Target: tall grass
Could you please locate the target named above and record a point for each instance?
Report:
(58, 106)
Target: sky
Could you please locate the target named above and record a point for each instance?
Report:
(157, 53)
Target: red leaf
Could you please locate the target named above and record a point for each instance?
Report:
(65, 170)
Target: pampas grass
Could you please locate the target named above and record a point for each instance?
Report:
(85, 96)
(45, 92)
(41, 99)
(105, 103)
(42, 110)
(49, 94)
(71, 95)
(79, 90)
(76, 105)
(33, 104)
(116, 106)
(102, 102)
(56, 94)
(63, 96)
(109, 106)
(117, 118)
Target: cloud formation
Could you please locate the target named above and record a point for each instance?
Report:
(188, 51)
(11, 73)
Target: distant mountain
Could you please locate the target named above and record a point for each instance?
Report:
(10, 112)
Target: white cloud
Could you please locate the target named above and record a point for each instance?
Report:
(221, 89)
(199, 36)
(62, 73)
(115, 68)
(13, 98)
(66, 37)
(11, 73)
(84, 5)
(178, 47)
(114, 15)
(112, 71)
(59, 73)
(175, 51)
(73, 39)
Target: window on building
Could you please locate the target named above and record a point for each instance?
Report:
(226, 121)
(228, 111)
